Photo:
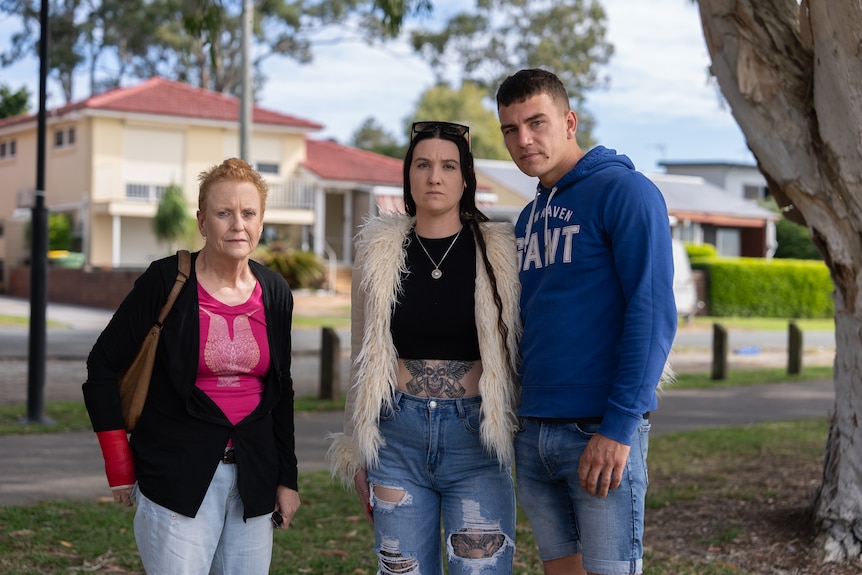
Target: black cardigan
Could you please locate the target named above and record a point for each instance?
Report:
(180, 437)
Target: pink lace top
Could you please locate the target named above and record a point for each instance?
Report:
(234, 353)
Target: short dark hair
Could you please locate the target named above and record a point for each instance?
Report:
(531, 82)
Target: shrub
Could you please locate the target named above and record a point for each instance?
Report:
(301, 269)
(700, 251)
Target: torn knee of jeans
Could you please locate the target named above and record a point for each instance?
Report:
(478, 544)
(392, 562)
(480, 538)
(387, 497)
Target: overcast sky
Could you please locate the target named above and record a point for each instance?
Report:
(660, 104)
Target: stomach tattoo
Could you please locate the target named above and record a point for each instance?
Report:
(437, 378)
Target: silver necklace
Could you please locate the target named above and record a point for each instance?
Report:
(436, 273)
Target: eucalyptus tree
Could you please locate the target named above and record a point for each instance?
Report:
(495, 38)
(791, 73)
(463, 106)
(194, 41)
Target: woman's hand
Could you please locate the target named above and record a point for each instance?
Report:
(123, 495)
(286, 503)
(363, 490)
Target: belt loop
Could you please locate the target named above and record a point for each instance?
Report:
(462, 413)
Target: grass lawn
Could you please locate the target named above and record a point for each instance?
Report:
(331, 537)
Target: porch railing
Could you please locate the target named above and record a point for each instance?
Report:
(292, 193)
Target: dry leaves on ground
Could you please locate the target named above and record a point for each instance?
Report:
(757, 522)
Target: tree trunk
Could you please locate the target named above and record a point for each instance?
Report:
(792, 75)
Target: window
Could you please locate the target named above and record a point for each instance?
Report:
(64, 137)
(750, 192)
(7, 149)
(267, 168)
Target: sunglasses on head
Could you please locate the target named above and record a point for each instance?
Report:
(448, 128)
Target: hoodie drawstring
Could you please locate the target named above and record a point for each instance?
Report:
(529, 227)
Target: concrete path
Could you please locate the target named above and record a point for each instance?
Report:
(39, 467)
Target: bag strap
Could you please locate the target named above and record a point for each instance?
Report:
(183, 270)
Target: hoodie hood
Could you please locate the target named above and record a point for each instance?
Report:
(596, 159)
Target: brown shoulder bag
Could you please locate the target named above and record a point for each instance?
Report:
(135, 381)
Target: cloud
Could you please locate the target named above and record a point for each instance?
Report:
(346, 83)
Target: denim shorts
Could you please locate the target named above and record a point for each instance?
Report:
(565, 519)
(434, 457)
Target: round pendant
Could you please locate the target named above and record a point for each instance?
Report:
(436, 274)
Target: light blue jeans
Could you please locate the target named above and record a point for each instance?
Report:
(434, 459)
(216, 541)
(565, 519)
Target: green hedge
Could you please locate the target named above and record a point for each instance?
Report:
(754, 287)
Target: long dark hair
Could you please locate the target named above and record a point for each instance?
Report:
(470, 214)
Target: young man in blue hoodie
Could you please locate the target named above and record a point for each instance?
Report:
(599, 318)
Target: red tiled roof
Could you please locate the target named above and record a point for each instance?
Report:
(163, 97)
(332, 161)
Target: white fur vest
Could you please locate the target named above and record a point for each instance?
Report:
(380, 263)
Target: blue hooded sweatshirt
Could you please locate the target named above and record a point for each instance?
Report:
(596, 297)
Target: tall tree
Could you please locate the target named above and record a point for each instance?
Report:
(500, 36)
(463, 106)
(791, 72)
(372, 136)
(65, 50)
(194, 41)
(13, 103)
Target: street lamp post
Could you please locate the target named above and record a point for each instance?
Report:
(39, 251)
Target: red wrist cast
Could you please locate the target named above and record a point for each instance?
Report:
(119, 465)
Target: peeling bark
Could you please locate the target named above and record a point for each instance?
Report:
(792, 75)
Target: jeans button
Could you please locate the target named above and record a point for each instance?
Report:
(432, 404)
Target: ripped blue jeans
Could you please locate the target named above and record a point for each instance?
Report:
(433, 466)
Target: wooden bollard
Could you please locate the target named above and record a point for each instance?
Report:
(719, 351)
(794, 349)
(330, 365)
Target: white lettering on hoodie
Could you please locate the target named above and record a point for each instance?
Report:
(531, 256)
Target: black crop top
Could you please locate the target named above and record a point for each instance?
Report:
(436, 318)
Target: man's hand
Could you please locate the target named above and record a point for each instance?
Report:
(602, 464)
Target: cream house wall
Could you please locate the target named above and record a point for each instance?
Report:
(67, 168)
(162, 154)
(293, 153)
(112, 150)
(17, 181)
(505, 196)
(205, 147)
(107, 159)
(154, 155)
(18, 173)
(100, 232)
(66, 178)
